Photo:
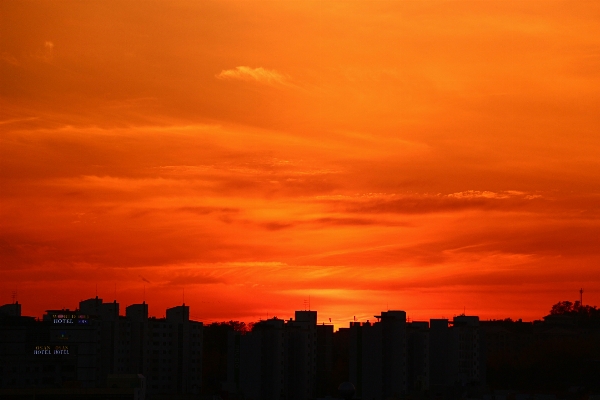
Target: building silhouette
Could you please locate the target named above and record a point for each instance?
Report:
(280, 359)
(94, 352)
(393, 358)
(417, 356)
(91, 346)
(378, 356)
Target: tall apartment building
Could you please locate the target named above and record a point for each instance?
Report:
(83, 347)
(11, 310)
(62, 349)
(325, 354)
(456, 352)
(391, 357)
(468, 362)
(280, 359)
(262, 361)
(439, 350)
(378, 359)
(417, 353)
(173, 348)
(301, 348)
(111, 329)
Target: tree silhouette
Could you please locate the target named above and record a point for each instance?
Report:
(584, 312)
(214, 360)
(562, 308)
(556, 354)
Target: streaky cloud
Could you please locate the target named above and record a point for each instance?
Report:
(259, 74)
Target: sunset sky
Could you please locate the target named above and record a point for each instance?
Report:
(433, 157)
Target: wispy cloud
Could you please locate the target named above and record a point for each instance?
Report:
(46, 53)
(16, 120)
(477, 194)
(425, 203)
(8, 58)
(259, 74)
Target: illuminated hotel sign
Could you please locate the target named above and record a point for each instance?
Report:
(69, 318)
(51, 350)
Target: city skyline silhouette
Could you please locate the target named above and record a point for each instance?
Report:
(99, 349)
(432, 156)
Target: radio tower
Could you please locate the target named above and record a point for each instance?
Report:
(581, 297)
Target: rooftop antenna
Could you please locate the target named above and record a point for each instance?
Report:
(305, 304)
(14, 296)
(96, 290)
(581, 297)
(115, 291)
(144, 294)
(183, 296)
(309, 302)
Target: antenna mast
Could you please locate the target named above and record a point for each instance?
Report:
(581, 297)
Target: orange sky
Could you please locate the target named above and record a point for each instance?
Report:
(424, 156)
